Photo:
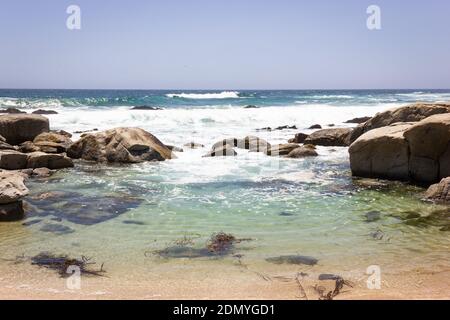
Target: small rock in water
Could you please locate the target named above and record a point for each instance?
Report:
(286, 127)
(11, 110)
(372, 216)
(174, 148)
(41, 111)
(146, 108)
(293, 259)
(315, 126)
(251, 107)
(85, 131)
(139, 223)
(264, 129)
(286, 214)
(329, 276)
(194, 145)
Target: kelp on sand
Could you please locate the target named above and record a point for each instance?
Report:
(218, 245)
(63, 263)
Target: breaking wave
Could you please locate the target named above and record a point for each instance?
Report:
(221, 95)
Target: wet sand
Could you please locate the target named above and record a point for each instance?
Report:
(19, 281)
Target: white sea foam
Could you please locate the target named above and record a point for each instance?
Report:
(208, 125)
(331, 96)
(221, 95)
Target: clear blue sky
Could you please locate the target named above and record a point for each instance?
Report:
(242, 44)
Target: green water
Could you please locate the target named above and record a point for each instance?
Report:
(309, 207)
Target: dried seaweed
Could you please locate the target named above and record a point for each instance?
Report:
(302, 290)
(339, 285)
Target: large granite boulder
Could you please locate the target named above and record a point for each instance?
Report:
(303, 152)
(12, 187)
(418, 151)
(439, 192)
(12, 190)
(410, 113)
(429, 148)
(124, 145)
(18, 128)
(338, 137)
(13, 160)
(50, 161)
(256, 144)
(381, 153)
(221, 151)
(251, 143)
(52, 142)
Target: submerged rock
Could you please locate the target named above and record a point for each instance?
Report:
(134, 222)
(56, 229)
(18, 128)
(339, 137)
(439, 218)
(251, 107)
(372, 216)
(81, 209)
(125, 145)
(293, 259)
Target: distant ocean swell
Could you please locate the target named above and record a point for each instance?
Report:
(54, 99)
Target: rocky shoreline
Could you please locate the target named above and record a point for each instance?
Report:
(410, 143)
